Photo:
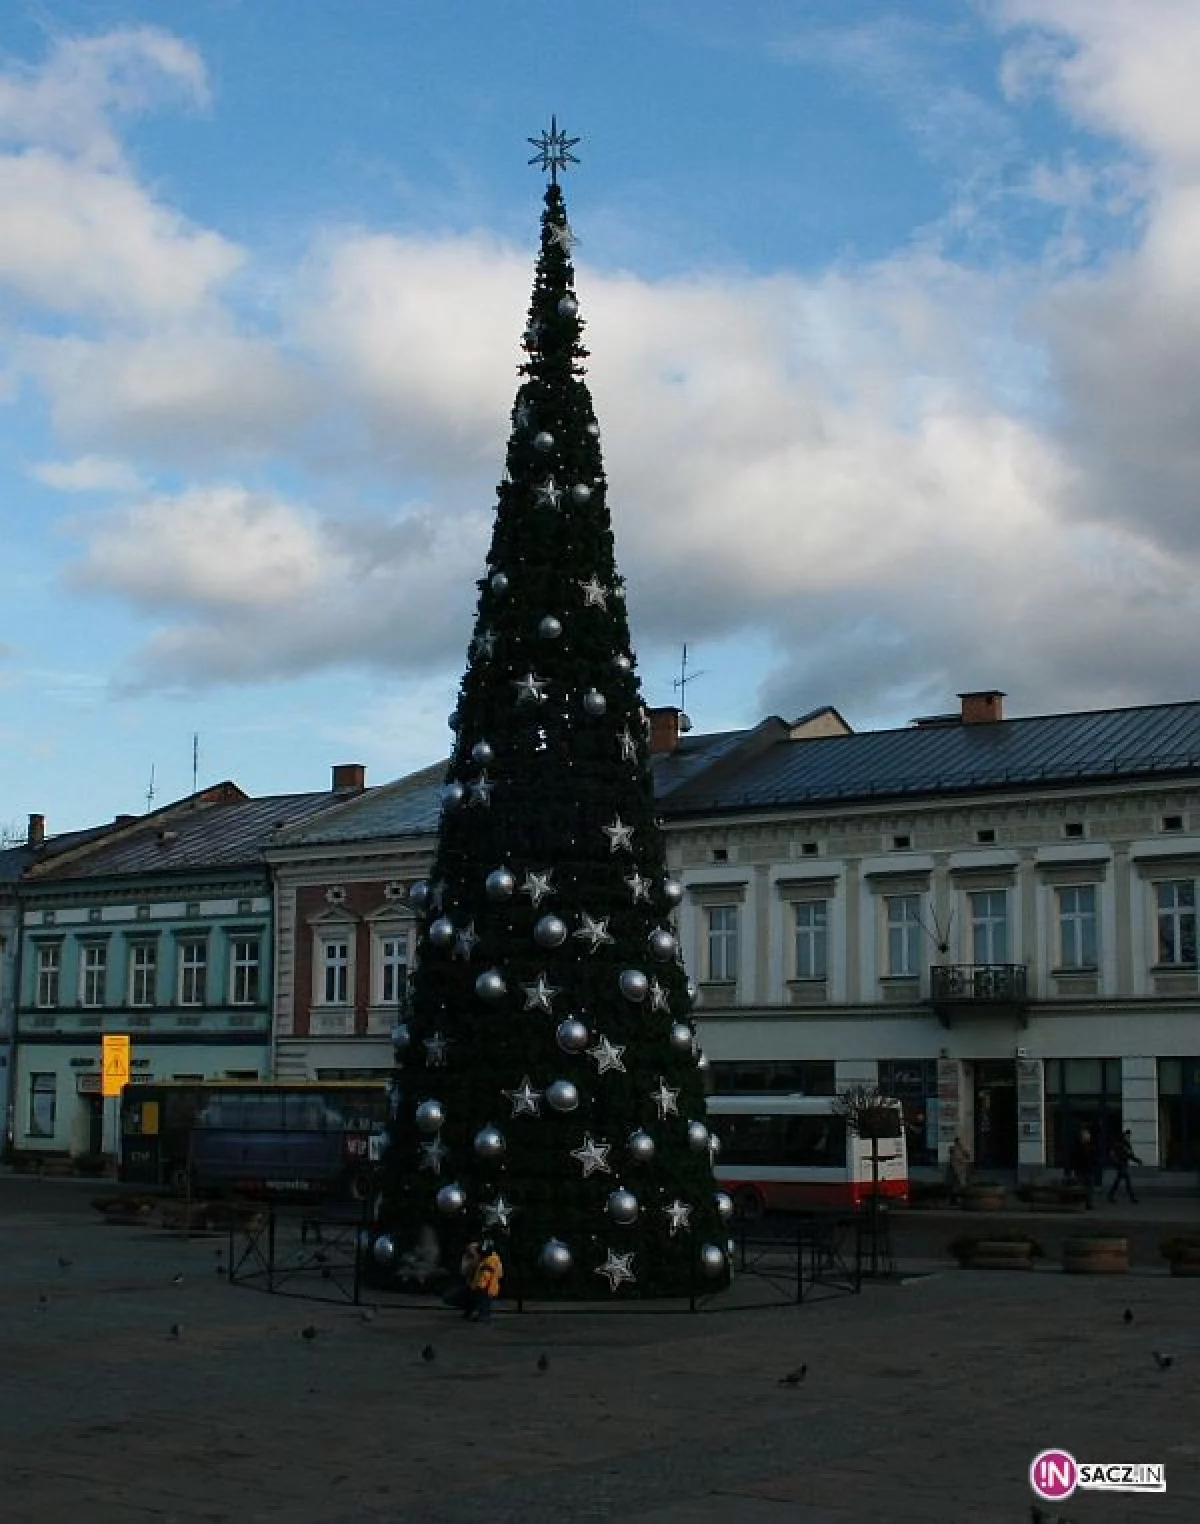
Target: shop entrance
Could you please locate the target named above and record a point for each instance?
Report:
(94, 1105)
(995, 1114)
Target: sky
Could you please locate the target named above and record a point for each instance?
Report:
(894, 320)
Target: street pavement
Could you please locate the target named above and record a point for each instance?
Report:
(925, 1398)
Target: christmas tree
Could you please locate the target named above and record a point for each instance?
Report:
(547, 1090)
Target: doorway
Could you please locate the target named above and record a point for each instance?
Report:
(995, 1114)
(95, 1123)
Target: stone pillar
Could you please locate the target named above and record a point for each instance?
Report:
(1139, 1107)
(952, 1104)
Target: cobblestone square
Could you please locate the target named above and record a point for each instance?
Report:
(924, 1400)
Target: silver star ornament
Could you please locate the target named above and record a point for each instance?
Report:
(548, 495)
(607, 1056)
(525, 1099)
(497, 1213)
(529, 689)
(433, 1155)
(435, 1051)
(620, 835)
(666, 1099)
(537, 886)
(593, 1156)
(679, 1215)
(540, 996)
(617, 1269)
(595, 933)
(594, 596)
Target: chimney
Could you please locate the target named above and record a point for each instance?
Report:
(37, 831)
(349, 778)
(123, 819)
(983, 708)
(666, 727)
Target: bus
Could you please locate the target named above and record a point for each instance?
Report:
(795, 1152)
(253, 1138)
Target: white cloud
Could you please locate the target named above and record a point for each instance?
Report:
(90, 473)
(68, 102)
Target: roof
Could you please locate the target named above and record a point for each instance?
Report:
(211, 834)
(692, 756)
(15, 860)
(1156, 740)
(410, 806)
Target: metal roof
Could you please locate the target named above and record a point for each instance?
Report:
(206, 835)
(14, 860)
(410, 806)
(1042, 750)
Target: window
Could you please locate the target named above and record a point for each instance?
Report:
(244, 970)
(393, 969)
(193, 968)
(722, 943)
(1172, 823)
(43, 1104)
(1073, 828)
(49, 969)
(985, 835)
(1176, 902)
(335, 972)
(809, 848)
(1081, 1092)
(903, 934)
(1077, 927)
(989, 925)
(811, 939)
(901, 843)
(93, 972)
(143, 973)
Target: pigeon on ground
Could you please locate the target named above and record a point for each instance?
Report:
(177, 1330)
(309, 1332)
(177, 1280)
(43, 1300)
(429, 1354)
(366, 1314)
(543, 1363)
(64, 1263)
(1127, 1316)
(1164, 1362)
(794, 1378)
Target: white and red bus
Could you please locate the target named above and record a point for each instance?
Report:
(789, 1152)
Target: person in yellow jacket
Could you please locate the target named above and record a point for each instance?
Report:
(485, 1283)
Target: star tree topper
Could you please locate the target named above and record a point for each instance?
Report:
(553, 150)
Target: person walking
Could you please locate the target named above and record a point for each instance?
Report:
(1083, 1165)
(1122, 1157)
(485, 1283)
(461, 1295)
(958, 1170)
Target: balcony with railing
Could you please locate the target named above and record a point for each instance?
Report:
(966, 990)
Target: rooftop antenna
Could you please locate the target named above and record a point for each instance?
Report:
(680, 683)
(150, 791)
(195, 760)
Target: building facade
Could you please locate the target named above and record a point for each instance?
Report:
(993, 920)
(162, 930)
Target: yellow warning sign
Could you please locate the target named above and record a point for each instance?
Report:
(114, 1064)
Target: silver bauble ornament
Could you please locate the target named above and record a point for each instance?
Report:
(453, 720)
(693, 991)
(418, 894)
(550, 931)
(634, 984)
(499, 582)
(697, 1137)
(593, 429)
(383, 1250)
(623, 1206)
(490, 985)
(550, 628)
(621, 662)
(555, 1258)
(567, 306)
(562, 1096)
(641, 1147)
(453, 795)
(580, 493)
(662, 944)
(702, 1061)
(672, 891)
(724, 1206)
(543, 441)
(572, 1036)
(450, 1200)
(500, 884)
(441, 931)
(714, 1146)
(712, 1260)
(483, 753)
(594, 703)
(401, 1037)
(489, 1143)
(430, 1116)
(680, 1037)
